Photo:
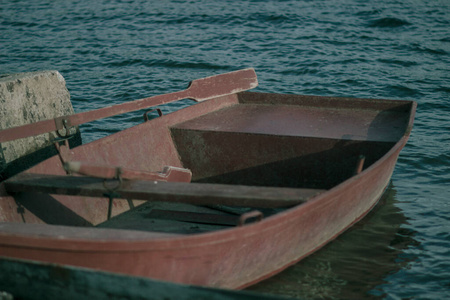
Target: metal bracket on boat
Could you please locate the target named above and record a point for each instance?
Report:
(117, 178)
(146, 118)
(360, 164)
(62, 123)
(111, 194)
(254, 214)
(64, 152)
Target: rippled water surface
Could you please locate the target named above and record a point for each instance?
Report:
(115, 51)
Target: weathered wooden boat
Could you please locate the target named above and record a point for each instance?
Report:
(23, 279)
(251, 184)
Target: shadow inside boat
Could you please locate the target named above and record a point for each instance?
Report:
(9, 169)
(319, 170)
(49, 210)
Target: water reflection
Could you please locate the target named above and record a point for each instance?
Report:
(355, 264)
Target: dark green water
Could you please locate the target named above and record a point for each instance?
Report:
(115, 51)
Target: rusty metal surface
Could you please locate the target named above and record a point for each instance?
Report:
(228, 258)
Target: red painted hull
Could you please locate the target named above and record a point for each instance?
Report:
(229, 258)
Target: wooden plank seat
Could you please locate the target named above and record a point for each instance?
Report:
(181, 192)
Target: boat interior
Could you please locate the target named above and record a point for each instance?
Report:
(251, 155)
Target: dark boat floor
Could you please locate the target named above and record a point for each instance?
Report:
(181, 218)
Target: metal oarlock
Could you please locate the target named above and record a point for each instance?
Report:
(150, 111)
(62, 123)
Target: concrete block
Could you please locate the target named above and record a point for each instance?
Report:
(28, 98)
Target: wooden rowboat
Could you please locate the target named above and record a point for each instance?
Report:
(223, 193)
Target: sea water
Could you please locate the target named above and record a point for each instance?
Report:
(115, 51)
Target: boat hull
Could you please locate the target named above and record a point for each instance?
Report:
(230, 258)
